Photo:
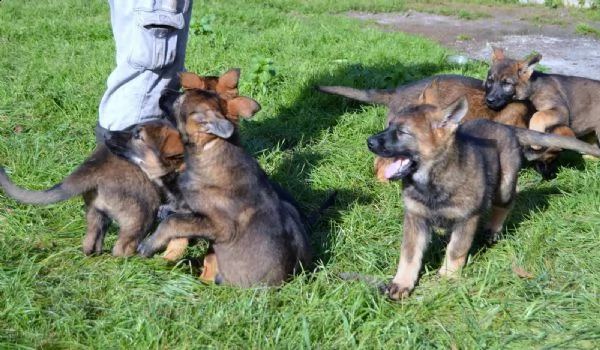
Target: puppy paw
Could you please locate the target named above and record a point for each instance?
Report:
(447, 272)
(396, 292)
(175, 249)
(145, 248)
(490, 237)
(164, 211)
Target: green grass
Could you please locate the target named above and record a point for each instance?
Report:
(55, 58)
(586, 29)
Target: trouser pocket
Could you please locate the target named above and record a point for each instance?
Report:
(154, 41)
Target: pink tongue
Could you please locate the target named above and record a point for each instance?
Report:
(393, 168)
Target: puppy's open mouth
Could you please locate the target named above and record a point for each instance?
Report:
(399, 168)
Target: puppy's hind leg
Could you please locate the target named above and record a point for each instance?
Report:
(504, 197)
(133, 226)
(458, 248)
(175, 249)
(552, 121)
(97, 225)
(497, 218)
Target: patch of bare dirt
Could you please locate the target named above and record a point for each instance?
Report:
(519, 30)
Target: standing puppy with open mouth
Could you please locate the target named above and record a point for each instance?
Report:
(452, 173)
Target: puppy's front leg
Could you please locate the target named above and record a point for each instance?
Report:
(177, 226)
(414, 242)
(458, 248)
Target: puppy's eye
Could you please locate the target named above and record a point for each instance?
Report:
(137, 135)
(401, 132)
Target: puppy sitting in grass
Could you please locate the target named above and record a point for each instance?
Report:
(156, 147)
(255, 229)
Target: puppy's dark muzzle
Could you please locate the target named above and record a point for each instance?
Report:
(376, 145)
(496, 100)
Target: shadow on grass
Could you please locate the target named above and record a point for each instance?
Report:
(528, 202)
(313, 111)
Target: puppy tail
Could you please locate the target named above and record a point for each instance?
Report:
(530, 137)
(315, 215)
(57, 193)
(371, 280)
(383, 97)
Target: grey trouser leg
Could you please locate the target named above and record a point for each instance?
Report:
(150, 38)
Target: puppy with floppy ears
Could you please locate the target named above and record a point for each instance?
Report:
(257, 233)
(566, 105)
(451, 174)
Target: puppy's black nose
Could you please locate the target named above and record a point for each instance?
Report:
(372, 143)
(490, 100)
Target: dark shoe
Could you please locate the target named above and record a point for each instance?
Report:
(100, 134)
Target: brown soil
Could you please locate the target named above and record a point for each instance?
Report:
(518, 29)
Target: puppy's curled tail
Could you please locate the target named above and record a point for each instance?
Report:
(377, 96)
(530, 137)
(57, 193)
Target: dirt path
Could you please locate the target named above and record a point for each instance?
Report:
(518, 29)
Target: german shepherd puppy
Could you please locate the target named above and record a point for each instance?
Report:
(566, 105)
(255, 229)
(112, 189)
(156, 147)
(444, 89)
(451, 173)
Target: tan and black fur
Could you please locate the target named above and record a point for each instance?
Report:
(255, 229)
(112, 189)
(452, 173)
(156, 147)
(440, 90)
(565, 105)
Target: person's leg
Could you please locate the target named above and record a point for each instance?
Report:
(150, 38)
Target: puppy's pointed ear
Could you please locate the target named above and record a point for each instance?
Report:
(430, 94)
(242, 106)
(497, 54)
(454, 114)
(227, 86)
(172, 146)
(191, 81)
(527, 66)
